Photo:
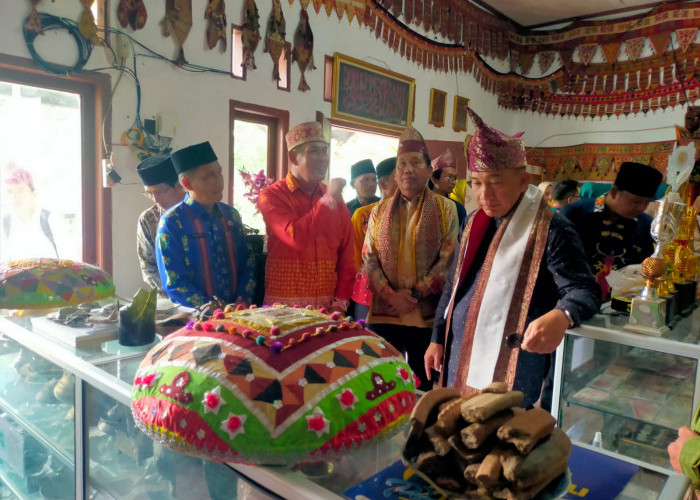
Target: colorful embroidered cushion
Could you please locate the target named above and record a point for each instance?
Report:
(272, 385)
(45, 283)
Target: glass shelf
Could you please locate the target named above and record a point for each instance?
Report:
(634, 389)
(46, 422)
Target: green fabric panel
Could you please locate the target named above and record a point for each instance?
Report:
(297, 437)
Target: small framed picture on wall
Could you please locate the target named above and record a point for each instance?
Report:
(438, 101)
(459, 116)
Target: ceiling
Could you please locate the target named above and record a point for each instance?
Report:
(530, 13)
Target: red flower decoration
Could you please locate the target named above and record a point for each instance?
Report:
(234, 423)
(212, 400)
(317, 423)
(347, 397)
(255, 183)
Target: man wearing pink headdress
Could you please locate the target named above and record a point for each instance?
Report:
(410, 239)
(444, 179)
(26, 231)
(520, 268)
(310, 240)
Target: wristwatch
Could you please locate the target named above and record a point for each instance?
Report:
(572, 323)
(416, 294)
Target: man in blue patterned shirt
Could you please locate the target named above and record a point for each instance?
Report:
(201, 250)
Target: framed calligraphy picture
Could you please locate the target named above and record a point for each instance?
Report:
(369, 95)
(459, 116)
(438, 100)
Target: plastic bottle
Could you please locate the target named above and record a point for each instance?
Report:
(598, 440)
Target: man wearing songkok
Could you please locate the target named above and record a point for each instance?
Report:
(361, 292)
(201, 250)
(161, 186)
(564, 192)
(363, 179)
(444, 179)
(520, 268)
(408, 248)
(309, 246)
(614, 228)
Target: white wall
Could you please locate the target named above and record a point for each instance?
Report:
(199, 101)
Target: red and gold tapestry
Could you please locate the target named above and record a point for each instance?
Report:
(597, 162)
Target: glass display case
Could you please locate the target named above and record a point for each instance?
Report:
(66, 429)
(83, 443)
(635, 390)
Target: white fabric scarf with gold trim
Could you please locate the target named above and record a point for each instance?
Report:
(488, 335)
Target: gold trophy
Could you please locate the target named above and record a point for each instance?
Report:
(685, 264)
(649, 311)
(648, 314)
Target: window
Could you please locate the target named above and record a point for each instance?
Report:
(257, 138)
(350, 146)
(249, 155)
(50, 201)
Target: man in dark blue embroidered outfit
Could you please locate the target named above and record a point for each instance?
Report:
(201, 250)
(613, 227)
(520, 268)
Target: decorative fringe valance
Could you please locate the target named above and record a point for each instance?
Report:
(576, 85)
(597, 162)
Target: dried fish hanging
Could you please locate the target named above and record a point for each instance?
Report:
(274, 37)
(216, 23)
(250, 33)
(303, 50)
(33, 23)
(132, 13)
(178, 23)
(87, 25)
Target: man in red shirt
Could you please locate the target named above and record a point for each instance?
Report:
(310, 241)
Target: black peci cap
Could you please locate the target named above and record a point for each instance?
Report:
(193, 156)
(157, 170)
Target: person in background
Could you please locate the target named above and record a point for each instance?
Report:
(593, 189)
(407, 250)
(614, 228)
(160, 185)
(309, 247)
(201, 250)
(361, 292)
(443, 180)
(520, 269)
(563, 193)
(546, 188)
(363, 179)
(26, 231)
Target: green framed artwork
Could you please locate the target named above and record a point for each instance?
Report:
(366, 94)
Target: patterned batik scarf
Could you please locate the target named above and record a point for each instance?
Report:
(501, 296)
(427, 230)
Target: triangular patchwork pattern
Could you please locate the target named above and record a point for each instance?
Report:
(340, 360)
(684, 37)
(271, 393)
(241, 369)
(312, 376)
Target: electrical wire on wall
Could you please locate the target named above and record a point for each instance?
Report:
(142, 140)
(53, 23)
